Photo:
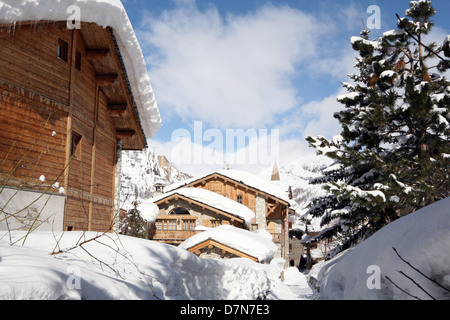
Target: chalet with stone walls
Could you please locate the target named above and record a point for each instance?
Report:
(187, 211)
(268, 202)
(70, 100)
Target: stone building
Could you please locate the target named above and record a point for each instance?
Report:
(268, 203)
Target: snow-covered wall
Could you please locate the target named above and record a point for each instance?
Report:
(45, 212)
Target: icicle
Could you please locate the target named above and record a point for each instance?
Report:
(14, 30)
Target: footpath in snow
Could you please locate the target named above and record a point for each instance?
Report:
(297, 283)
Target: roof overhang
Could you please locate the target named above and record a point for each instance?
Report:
(209, 244)
(105, 56)
(218, 176)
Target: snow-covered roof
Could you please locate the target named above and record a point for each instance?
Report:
(243, 177)
(105, 13)
(255, 244)
(214, 200)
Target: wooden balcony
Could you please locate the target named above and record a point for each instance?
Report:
(174, 229)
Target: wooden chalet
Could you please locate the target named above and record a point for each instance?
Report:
(183, 211)
(66, 112)
(269, 203)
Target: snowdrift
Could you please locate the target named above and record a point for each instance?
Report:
(120, 267)
(421, 238)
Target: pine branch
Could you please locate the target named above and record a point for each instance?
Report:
(420, 42)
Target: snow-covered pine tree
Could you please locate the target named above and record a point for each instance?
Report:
(132, 224)
(393, 154)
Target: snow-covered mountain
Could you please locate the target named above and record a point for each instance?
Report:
(297, 175)
(141, 170)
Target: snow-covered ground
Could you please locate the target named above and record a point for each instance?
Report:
(373, 270)
(120, 267)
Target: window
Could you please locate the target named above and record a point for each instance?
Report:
(63, 50)
(239, 199)
(179, 211)
(78, 60)
(159, 188)
(75, 148)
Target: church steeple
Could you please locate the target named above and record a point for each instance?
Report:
(275, 173)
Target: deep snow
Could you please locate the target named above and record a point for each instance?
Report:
(422, 238)
(120, 267)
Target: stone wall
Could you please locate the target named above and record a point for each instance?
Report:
(261, 212)
(216, 253)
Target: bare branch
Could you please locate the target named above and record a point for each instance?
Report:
(404, 291)
(414, 268)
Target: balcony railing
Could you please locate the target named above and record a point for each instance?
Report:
(174, 228)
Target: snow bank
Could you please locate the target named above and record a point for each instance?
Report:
(421, 238)
(254, 244)
(148, 210)
(293, 277)
(120, 267)
(214, 200)
(105, 13)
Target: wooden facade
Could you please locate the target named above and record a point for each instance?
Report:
(175, 227)
(211, 248)
(64, 105)
(271, 212)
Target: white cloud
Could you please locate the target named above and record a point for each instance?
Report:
(231, 72)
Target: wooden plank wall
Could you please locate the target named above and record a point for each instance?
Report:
(35, 85)
(231, 191)
(33, 103)
(28, 146)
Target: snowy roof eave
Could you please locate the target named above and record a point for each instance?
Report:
(105, 13)
(250, 180)
(214, 200)
(250, 243)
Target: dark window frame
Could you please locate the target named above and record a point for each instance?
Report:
(63, 50)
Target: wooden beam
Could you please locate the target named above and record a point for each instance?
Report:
(95, 54)
(124, 134)
(208, 243)
(106, 79)
(117, 109)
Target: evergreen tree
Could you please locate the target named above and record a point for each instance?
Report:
(132, 224)
(393, 154)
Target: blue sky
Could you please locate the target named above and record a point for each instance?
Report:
(253, 64)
